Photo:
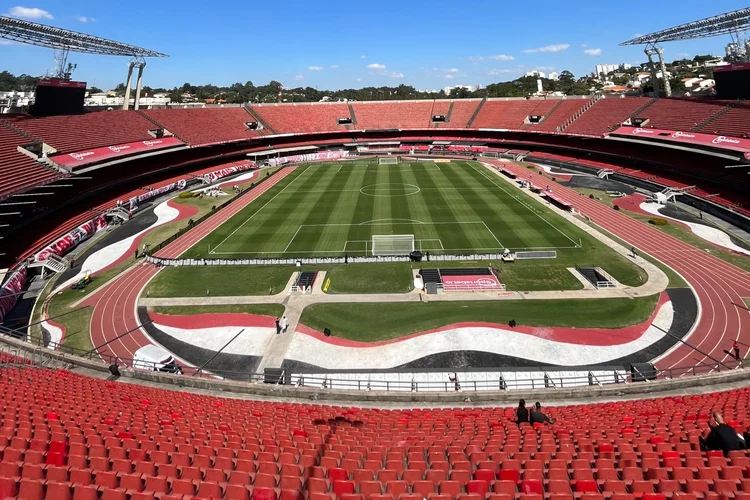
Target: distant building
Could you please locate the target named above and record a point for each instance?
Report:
(535, 73)
(553, 76)
(606, 69)
(470, 88)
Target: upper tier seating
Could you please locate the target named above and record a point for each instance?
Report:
(463, 110)
(565, 110)
(385, 115)
(301, 118)
(18, 171)
(67, 436)
(200, 126)
(679, 114)
(604, 114)
(68, 134)
(508, 114)
(735, 122)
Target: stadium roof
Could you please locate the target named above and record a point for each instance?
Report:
(723, 24)
(60, 39)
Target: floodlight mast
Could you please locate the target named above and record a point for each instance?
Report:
(734, 24)
(64, 41)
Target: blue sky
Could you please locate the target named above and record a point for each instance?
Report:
(343, 44)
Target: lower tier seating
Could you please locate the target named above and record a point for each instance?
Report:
(67, 436)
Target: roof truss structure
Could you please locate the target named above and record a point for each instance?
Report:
(42, 35)
(723, 24)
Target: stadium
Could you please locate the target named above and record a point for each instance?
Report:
(346, 300)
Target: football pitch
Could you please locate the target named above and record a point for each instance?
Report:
(333, 209)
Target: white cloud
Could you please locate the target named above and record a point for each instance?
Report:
(549, 48)
(495, 72)
(396, 75)
(452, 70)
(298, 77)
(334, 66)
(498, 57)
(583, 45)
(84, 19)
(32, 13)
(376, 66)
(593, 52)
(363, 57)
(315, 68)
(448, 76)
(359, 79)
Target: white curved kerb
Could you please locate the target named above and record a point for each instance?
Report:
(708, 233)
(308, 349)
(55, 333)
(252, 341)
(104, 257)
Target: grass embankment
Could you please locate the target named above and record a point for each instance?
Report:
(383, 321)
(275, 310)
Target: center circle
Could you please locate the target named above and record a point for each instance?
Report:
(387, 189)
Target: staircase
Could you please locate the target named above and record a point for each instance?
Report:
(634, 114)
(17, 130)
(450, 112)
(529, 125)
(476, 112)
(578, 113)
(54, 263)
(257, 119)
(712, 118)
(158, 124)
(352, 115)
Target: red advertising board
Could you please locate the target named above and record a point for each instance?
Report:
(475, 282)
(86, 157)
(731, 67)
(52, 82)
(694, 138)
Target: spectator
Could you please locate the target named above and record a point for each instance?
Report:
(454, 380)
(722, 437)
(537, 417)
(278, 327)
(522, 414)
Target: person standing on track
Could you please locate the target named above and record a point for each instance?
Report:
(736, 349)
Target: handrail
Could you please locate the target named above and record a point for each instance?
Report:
(379, 380)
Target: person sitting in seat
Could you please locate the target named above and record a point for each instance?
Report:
(537, 417)
(722, 437)
(522, 414)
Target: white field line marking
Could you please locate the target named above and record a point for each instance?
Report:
(475, 249)
(493, 234)
(485, 175)
(290, 241)
(257, 212)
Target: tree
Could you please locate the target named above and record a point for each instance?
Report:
(566, 77)
(95, 90)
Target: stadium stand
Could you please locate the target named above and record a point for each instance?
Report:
(463, 110)
(555, 120)
(201, 126)
(733, 122)
(18, 172)
(391, 115)
(301, 118)
(67, 436)
(605, 114)
(505, 113)
(679, 114)
(68, 134)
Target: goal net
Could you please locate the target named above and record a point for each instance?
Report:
(392, 244)
(388, 160)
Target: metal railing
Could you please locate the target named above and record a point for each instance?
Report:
(28, 354)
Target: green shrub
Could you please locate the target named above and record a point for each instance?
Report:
(657, 221)
(616, 207)
(186, 194)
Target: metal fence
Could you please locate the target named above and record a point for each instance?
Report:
(317, 260)
(34, 352)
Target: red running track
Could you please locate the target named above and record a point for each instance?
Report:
(718, 285)
(114, 306)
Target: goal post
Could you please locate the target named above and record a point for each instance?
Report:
(392, 244)
(388, 160)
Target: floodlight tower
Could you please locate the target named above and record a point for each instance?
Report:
(649, 52)
(656, 49)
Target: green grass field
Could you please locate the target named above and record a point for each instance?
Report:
(384, 321)
(335, 209)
